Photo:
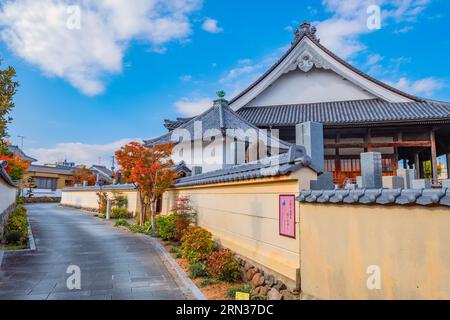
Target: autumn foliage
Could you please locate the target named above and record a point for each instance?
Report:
(82, 174)
(149, 168)
(16, 166)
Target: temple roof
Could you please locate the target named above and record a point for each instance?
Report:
(306, 43)
(219, 117)
(347, 112)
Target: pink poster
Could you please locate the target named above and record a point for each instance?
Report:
(287, 216)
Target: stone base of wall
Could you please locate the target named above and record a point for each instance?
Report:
(4, 216)
(79, 208)
(264, 283)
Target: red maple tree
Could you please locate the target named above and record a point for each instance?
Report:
(149, 168)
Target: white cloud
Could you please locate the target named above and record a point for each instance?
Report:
(373, 59)
(80, 153)
(193, 107)
(37, 32)
(425, 86)
(186, 78)
(341, 33)
(211, 25)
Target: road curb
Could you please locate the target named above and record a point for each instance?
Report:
(1, 258)
(186, 281)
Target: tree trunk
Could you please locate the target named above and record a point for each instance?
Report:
(152, 211)
(143, 211)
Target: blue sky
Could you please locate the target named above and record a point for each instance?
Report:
(84, 92)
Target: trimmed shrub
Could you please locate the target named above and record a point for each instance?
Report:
(16, 228)
(197, 244)
(224, 266)
(231, 293)
(119, 213)
(121, 223)
(198, 270)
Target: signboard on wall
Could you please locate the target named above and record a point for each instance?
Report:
(287, 215)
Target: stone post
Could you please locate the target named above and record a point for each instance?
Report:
(371, 170)
(310, 136)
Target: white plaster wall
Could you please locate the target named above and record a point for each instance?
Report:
(7, 195)
(88, 199)
(318, 85)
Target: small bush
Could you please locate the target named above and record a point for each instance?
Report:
(224, 266)
(178, 255)
(119, 213)
(198, 270)
(197, 244)
(14, 237)
(18, 221)
(231, 293)
(136, 228)
(167, 228)
(206, 282)
(121, 223)
(173, 250)
(119, 200)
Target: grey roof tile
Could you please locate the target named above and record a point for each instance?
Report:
(408, 196)
(111, 187)
(423, 197)
(431, 196)
(326, 196)
(388, 196)
(445, 201)
(47, 169)
(339, 195)
(354, 196)
(282, 164)
(4, 175)
(345, 112)
(370, 196)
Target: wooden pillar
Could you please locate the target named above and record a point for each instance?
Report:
(433, 156)
(337, 158)
(448, 164)
(417, 164)
(369, 140)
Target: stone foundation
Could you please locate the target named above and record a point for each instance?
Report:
(265, 284)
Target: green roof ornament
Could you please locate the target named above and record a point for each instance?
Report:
(221, 94)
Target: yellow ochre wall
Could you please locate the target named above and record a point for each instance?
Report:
(411, 246)
(244, 217)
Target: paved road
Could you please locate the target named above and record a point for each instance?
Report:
(114, 263)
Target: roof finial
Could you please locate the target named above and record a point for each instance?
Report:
(221, 94)
(305, 29)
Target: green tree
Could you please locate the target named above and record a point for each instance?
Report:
(8, 88)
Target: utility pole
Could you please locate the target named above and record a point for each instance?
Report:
(113, 167)
(21, 141)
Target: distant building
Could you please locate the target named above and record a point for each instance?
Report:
(104, 175)
(49, 180)
(19, 152)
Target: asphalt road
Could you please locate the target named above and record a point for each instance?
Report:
(113, 263)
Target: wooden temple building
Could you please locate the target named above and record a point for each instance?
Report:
(358, 112)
